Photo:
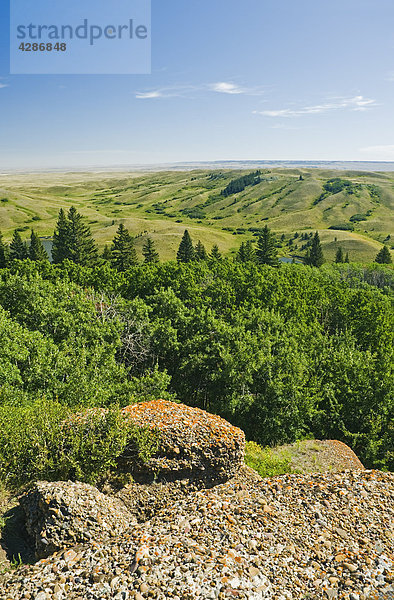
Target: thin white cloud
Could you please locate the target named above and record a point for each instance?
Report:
(382, 152)
(357, 103)
(390, 76)
(147, 95)
(224, 87)
(3, 85)
(219, 87)
(166, 92)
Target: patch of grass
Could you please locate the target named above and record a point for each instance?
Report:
(266, 462)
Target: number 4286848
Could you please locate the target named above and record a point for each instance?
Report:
(29, 47)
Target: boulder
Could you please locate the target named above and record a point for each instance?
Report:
(193, 444)
(62, 514)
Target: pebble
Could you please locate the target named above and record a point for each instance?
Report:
(190, 550)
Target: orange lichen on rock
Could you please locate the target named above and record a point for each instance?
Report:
(193, 443)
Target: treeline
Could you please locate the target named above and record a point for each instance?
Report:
(73, 241)
(283, 353)
(238, 185)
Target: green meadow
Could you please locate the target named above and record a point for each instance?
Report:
(356, 213)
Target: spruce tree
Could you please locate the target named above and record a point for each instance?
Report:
(384, 257)
(347, 257)
(315, 257)
(60, 245)
(36, 249)
(215, 253)
(186, 252)
(266, 253)
(106, 253)
(3, 253)
(18, 249)
(339, 255)
(80, 243)
(123, 254)
(250, 253)
(246, 252)
(240, 257)
(149, 252)
(201, 253)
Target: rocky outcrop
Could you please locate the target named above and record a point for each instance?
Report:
(62, 514)
(321, 536)
(193, 444)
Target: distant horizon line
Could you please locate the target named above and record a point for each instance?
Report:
(157, 166)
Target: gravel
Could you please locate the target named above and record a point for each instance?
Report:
(285, 538)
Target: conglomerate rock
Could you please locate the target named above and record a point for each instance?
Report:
(62, 514)
(193, 444)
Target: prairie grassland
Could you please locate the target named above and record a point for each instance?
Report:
(163, 204)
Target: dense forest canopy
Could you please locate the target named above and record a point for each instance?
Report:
(282, 352)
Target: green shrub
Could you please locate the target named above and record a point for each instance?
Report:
(45, 441)
(264, 462)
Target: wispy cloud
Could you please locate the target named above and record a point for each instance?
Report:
(382, 152)
(390, 76)
(167, 92)
(219, 87)
(148, 95)
(223, 87)
(357, 103)
(3, 85)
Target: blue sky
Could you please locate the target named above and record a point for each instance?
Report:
(257, 79)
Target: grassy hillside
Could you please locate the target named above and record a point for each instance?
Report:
(162, 204)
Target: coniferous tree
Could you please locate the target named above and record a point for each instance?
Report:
(18, 249)
(347, 257)
(339, 255)
(123, 254)
(315, 257)
(106, 253)
(151, 256)
(240, 257)
(250, 253)
(215, 253)
(246, 252)
(60, 246)
(201, 253)
(266, 253)
(80, 243)
(3, 253)
(186, 252)
(36, 250)
(383, 257)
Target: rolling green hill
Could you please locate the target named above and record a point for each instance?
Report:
(351, 209)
